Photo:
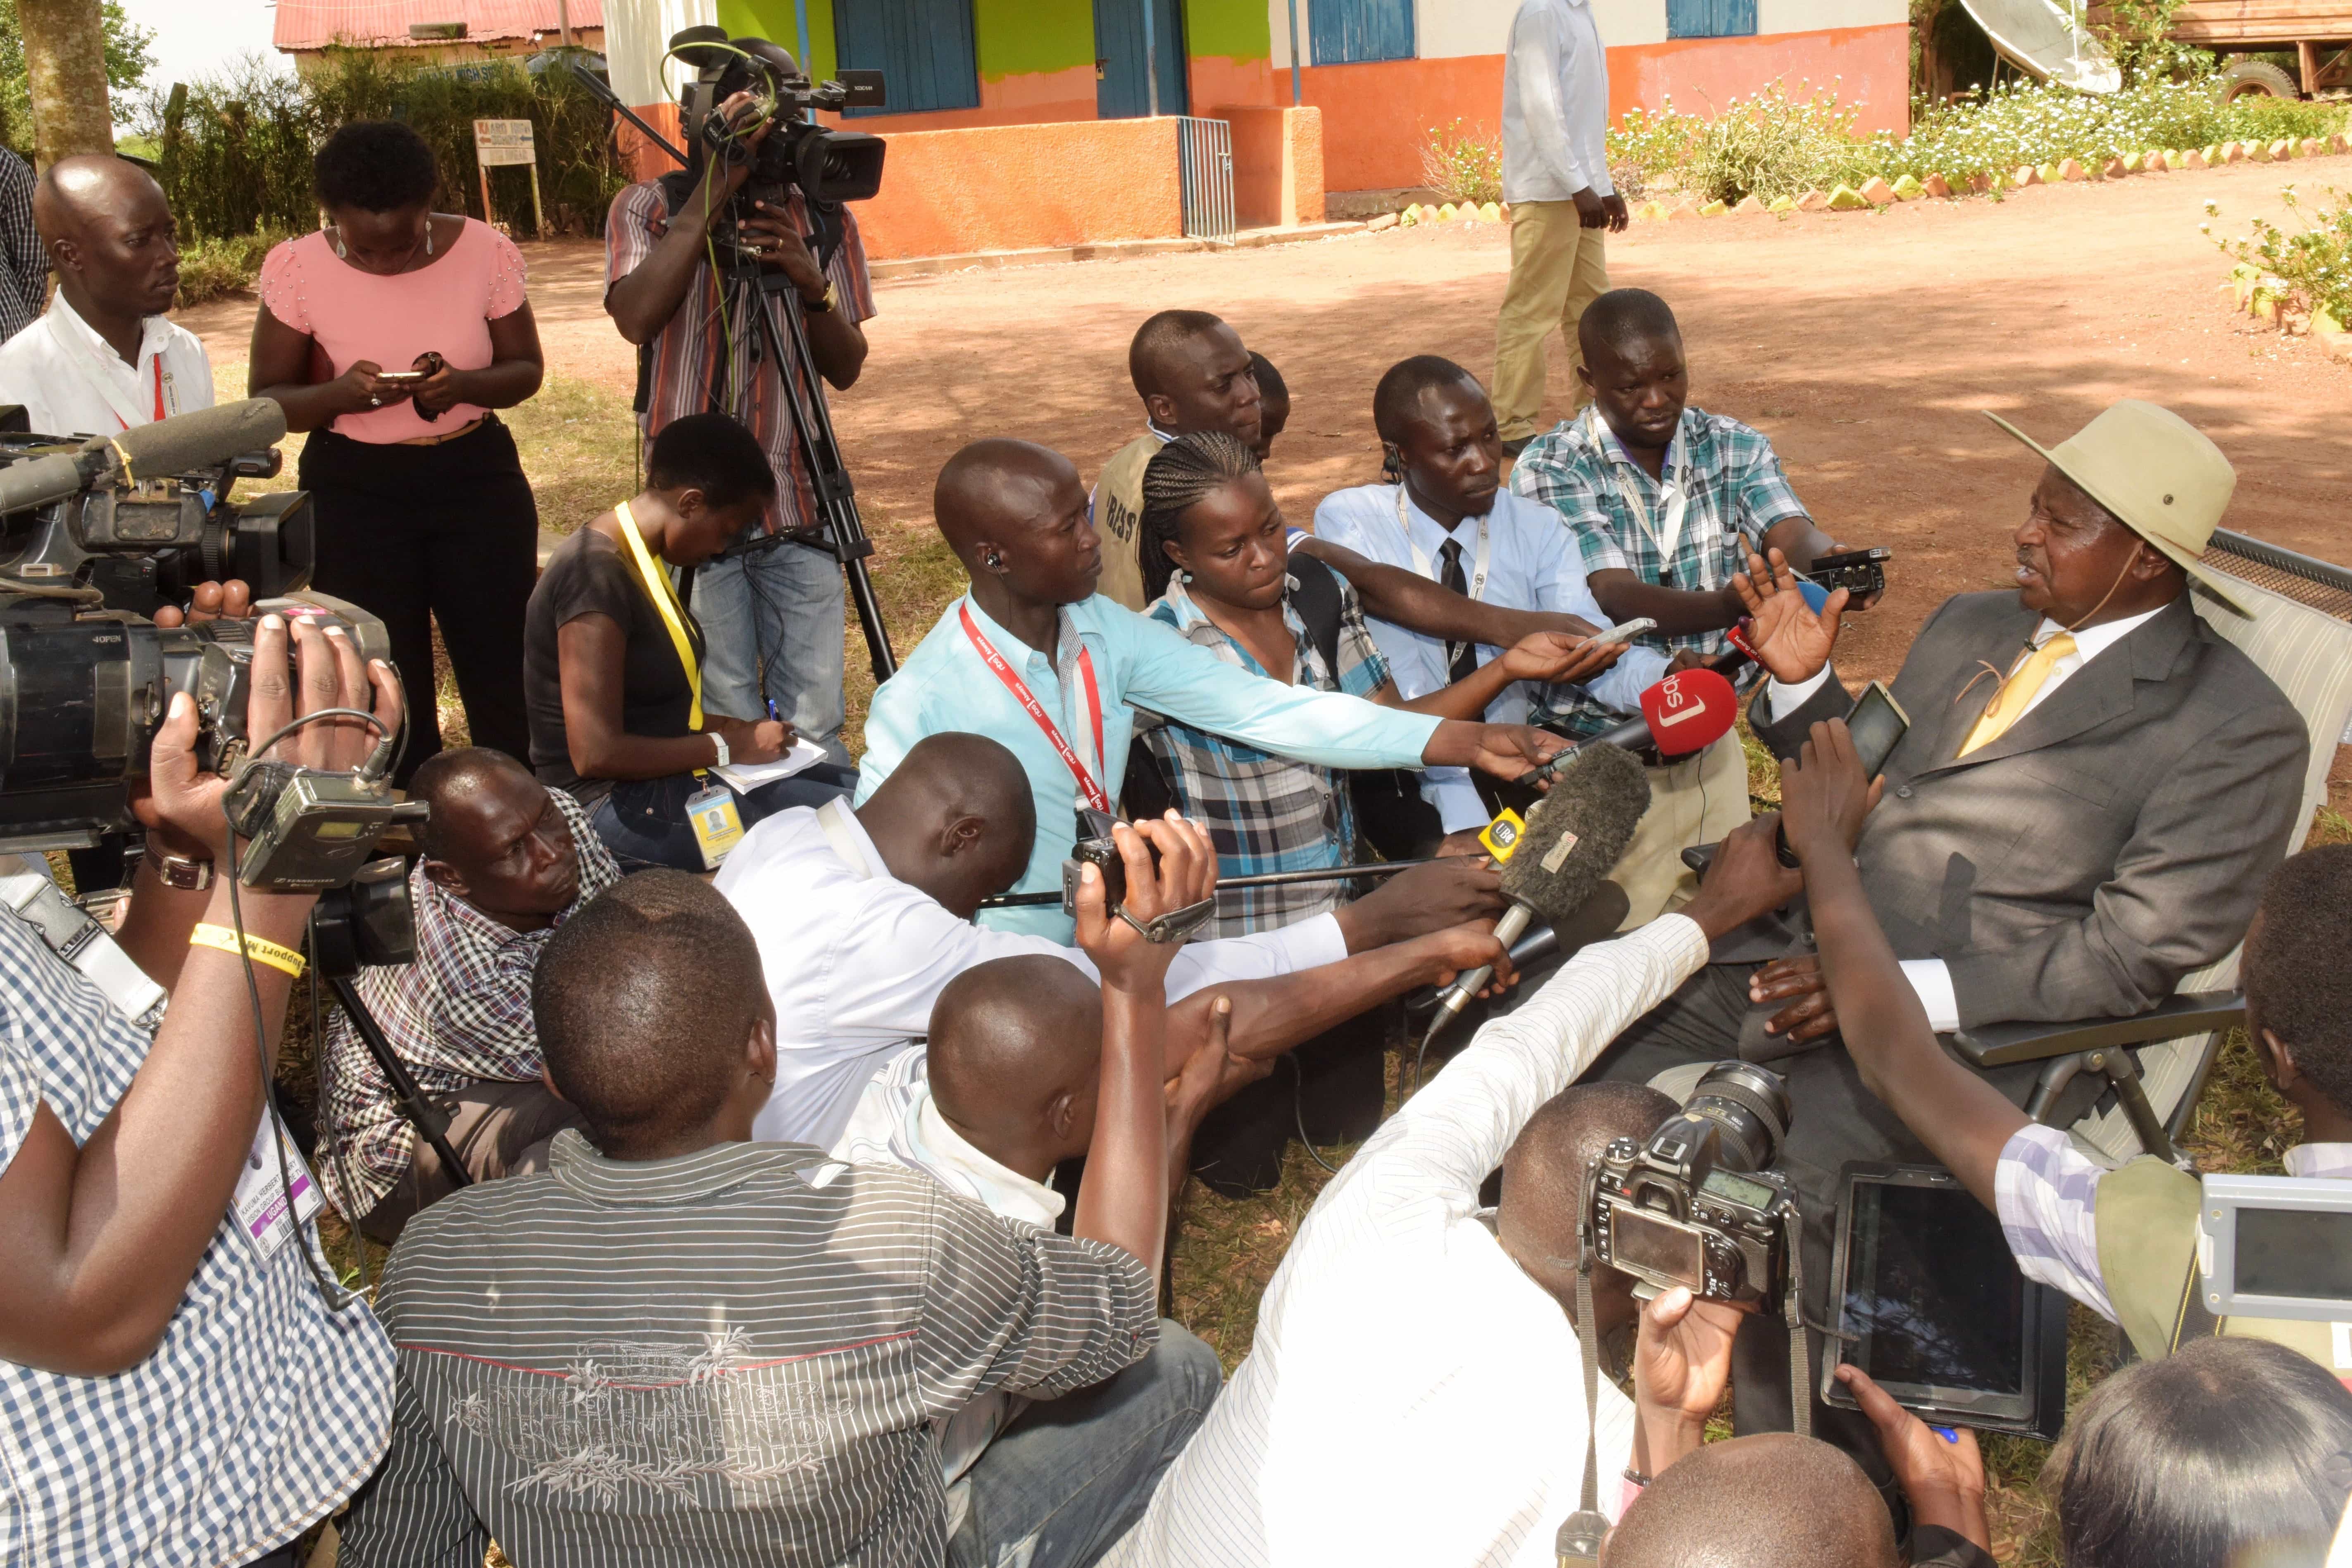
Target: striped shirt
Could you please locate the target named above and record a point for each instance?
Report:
(257, 1415)
(708, 357)
(1413, 1398)
(732, 1356)
(459, 1016)
(1721, 490)
(1265, 812)
(2047, 1192)
(24, 261)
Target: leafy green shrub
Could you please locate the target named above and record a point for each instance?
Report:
(1650, 145)
(2312, 263)
(1773, 146)
(1461, 165)
(2258, 117)
(210, 268)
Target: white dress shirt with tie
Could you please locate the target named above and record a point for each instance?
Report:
(855, 958)
(1932, 977)
(1554, 104)
(1531, 563)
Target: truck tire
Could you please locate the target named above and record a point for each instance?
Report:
(2249, 78)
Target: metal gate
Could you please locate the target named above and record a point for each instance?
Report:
(1204, 155)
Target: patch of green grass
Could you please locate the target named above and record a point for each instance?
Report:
(579, 447)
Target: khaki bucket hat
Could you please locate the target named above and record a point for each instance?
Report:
(2160, 475)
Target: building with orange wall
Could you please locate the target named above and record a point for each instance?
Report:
(1374, 78)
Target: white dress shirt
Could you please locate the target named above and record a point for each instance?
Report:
(855, 958)
(1932, 977)
(1554, 104)
(1413, 1398)
(72, 382)
(1532, 564)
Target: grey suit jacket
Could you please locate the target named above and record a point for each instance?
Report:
(2114, 841)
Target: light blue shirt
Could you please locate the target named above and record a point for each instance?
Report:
(1532, 564)
(945, 686)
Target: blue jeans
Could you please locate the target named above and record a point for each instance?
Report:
(643, 821)
(1070, 1476)
(773, 621)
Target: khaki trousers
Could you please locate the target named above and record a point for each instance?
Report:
(1558, 268)
(1698, 800)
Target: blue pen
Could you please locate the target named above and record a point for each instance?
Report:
(772, 714)
(1947, 1434)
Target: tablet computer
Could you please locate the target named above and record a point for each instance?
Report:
(1929, 1302)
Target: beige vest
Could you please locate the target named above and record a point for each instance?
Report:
(2148, 1260)
(1118, 518)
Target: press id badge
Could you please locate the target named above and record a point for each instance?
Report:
(718, 825)
(260, 1202)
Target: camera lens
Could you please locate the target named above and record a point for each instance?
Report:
(1750, 1104)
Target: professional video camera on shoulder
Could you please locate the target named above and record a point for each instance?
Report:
(101, 530)
(826, 166)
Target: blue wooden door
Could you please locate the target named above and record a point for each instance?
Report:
(1119, 89)
(1710, 19)
(1343, 32)
(922, 47)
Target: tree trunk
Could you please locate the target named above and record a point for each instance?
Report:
(65, 64)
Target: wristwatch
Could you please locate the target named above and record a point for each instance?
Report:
(718, 740)
(180, 872)
(823, 307)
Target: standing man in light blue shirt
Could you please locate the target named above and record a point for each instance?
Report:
(1446, 518)
(1035, 660)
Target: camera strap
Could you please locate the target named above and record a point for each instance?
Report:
(665, 598)
(26, 887)
(1581, 1534)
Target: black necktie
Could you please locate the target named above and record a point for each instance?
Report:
(1462, 658)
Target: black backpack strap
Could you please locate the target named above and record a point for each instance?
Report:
(1318, 601)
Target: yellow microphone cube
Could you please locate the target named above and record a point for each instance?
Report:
(1502, 835)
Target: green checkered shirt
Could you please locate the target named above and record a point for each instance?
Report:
(1736, 492)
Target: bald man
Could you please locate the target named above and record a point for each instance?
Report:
(1771, 1501)
(104, 358)
(1034, 657)
(865, 917)
(1192, 374)
(505, 861)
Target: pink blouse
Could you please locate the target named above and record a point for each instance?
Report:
(446, 307)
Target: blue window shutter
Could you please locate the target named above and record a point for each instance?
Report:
(1346, 32)
(922, 47)
(1710, 19)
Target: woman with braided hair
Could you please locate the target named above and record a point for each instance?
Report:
(1216, 565)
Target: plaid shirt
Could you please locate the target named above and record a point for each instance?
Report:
(460, 1015)
(2047, 1192)
(1266, 813)
(692, 367)
(1735, 492)
(24, 261)
(257, 1415)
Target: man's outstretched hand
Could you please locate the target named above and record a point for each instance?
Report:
(1824, 798)
(1942, 1477)
(1682, 1361)
(1465, 886)
(1743, 880)
(1792, 642)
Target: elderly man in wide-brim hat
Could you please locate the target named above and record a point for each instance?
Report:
(2093, 787)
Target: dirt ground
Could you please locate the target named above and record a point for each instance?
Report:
(1863, 344)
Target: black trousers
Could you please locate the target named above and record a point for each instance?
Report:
(1332, 1085)
(448, 534)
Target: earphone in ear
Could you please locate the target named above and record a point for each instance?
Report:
(993, 561)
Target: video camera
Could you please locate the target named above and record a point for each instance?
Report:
(1696, 1205)
(826, 166)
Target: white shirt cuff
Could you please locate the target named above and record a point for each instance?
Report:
(1785, 699)
(1932, 979)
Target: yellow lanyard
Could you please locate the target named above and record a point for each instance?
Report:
(665, 598)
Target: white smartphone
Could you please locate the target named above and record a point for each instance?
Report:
(1624, 631)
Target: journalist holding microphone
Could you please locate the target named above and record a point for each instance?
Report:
(180, 1383)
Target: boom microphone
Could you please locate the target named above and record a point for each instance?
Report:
(181, 444)
(1687, 711)
(1573, 838)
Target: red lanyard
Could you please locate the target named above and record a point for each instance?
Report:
(1028, 700)
(158, 394)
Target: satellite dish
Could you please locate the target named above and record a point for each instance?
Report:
(2049, 41)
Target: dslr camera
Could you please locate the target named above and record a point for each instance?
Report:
(1696, 1205)
(827, 166)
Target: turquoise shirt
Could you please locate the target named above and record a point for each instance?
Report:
(945, 686)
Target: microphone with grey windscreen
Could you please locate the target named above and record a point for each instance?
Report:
(1573, 839)
(185, 443)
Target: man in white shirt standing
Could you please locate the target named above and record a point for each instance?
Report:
(1555, 182)
(104, 358)
(1404, 1336)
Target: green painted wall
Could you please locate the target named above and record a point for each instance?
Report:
(1030, 37)
(1235, 28)
(773, 20)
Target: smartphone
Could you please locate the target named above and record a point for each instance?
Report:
(1623, 631)
(401, 377)
(1877, 724)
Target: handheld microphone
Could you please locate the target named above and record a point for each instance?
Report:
(1687, 711)
(1573, 838)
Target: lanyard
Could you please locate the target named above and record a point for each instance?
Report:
(1677, 495)
(665, 598)
(79, 356)
(1479, 559)
(1028, 700)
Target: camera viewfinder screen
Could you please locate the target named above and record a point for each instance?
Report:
(2294, 1252)
(1661, 1246)
(1933, 1297)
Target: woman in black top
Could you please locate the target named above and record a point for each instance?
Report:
(614, 703)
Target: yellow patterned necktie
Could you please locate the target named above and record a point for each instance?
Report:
(2010, 702)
